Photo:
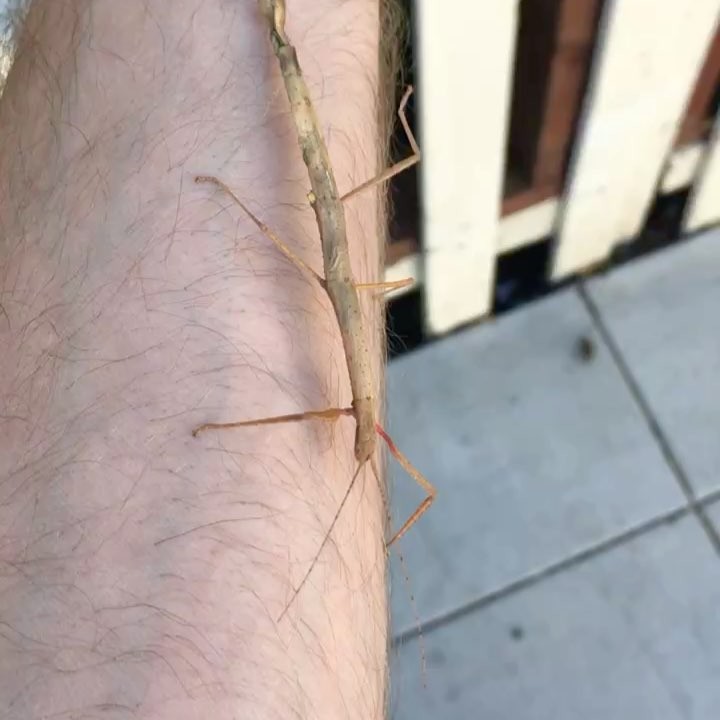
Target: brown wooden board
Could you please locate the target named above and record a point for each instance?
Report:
(699, 113)
(554, 51)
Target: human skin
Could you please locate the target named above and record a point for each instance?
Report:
(143, 571)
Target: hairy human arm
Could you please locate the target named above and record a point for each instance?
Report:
(142, 571)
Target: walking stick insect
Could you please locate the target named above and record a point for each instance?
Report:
(338, 282)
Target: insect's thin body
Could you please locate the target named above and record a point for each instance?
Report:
(338, 281)
(330, 214)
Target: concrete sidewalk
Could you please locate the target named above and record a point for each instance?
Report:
(570, 567)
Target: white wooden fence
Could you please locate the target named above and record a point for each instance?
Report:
(646, 59)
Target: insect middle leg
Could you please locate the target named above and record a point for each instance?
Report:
(267, 231)
(398, 167)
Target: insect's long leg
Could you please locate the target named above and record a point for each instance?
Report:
(386, 285)
(399, 167)
(328, 414)
(417, 476)
(324, 542)
(279, 244)
(405, 575)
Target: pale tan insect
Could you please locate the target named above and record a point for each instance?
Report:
(338, 281)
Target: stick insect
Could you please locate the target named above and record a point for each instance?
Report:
(338, 282)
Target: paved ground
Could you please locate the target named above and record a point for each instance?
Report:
(570, 567)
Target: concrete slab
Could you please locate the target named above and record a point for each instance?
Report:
(713, 512)
(631, 633)
(663, 313)
(537, 452)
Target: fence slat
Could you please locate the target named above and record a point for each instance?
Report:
(682, 167)
(704, 203)
(648, 57)
(696, 123)
(466, 51)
